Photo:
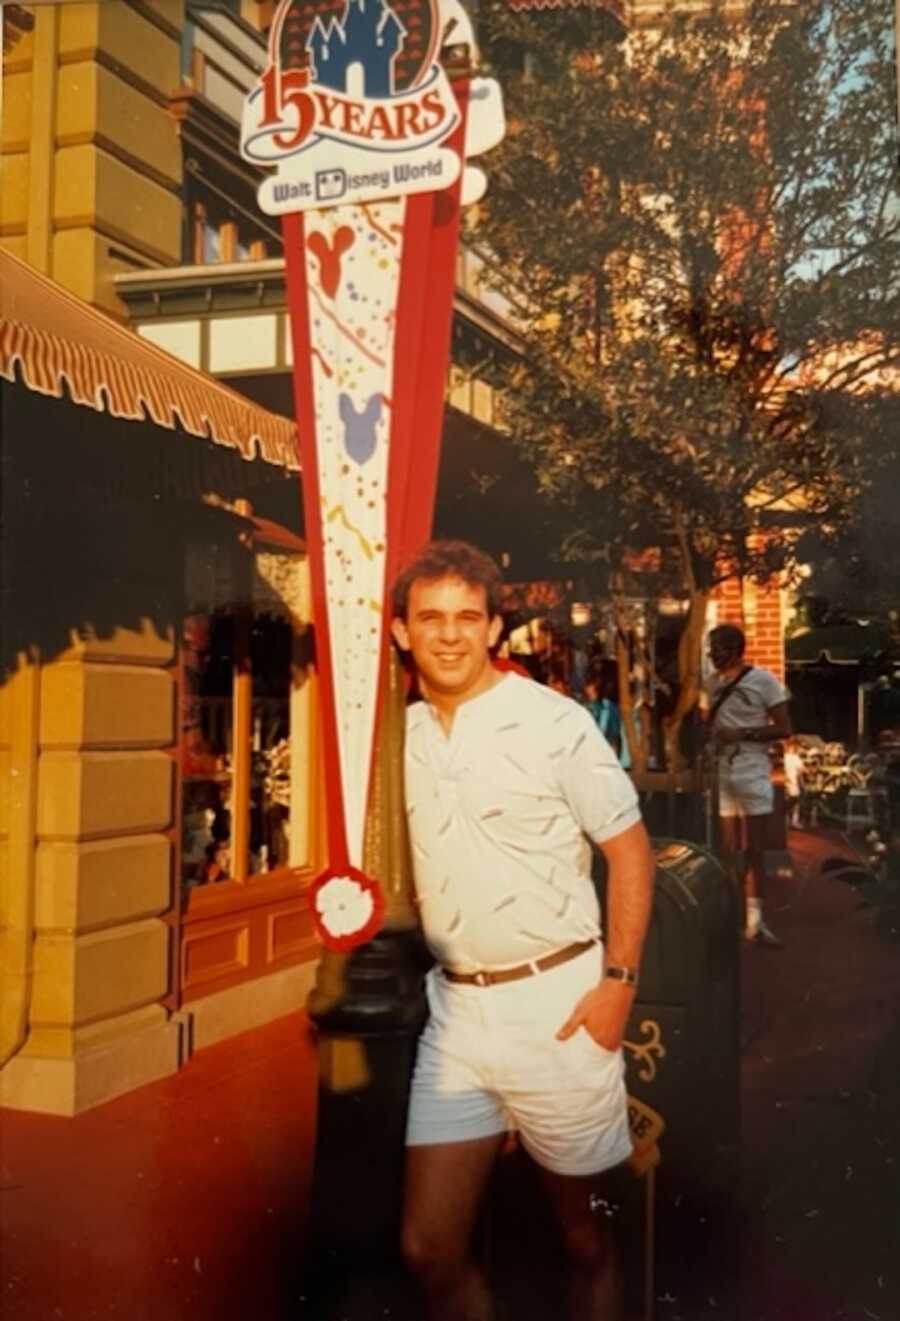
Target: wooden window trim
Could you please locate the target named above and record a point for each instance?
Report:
(206, 901)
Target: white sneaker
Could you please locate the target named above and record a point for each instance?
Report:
(763, 936)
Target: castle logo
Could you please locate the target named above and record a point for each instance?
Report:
(352, 105)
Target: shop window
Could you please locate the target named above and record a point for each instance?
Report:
(245, 715)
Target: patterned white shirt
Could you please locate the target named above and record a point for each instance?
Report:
(498, 813)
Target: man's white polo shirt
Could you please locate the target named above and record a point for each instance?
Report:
(747, 705)
(498, 813)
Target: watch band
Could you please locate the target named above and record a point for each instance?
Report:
(621, 974)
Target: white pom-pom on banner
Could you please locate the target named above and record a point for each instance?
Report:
(347, 908)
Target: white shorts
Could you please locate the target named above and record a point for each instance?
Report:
(745, 790)
(488, 1060)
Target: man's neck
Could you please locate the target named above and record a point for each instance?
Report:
(446, 704)
(733, 671)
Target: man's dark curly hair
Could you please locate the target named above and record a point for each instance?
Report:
(449, 559)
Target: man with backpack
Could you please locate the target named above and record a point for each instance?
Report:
(747, 710)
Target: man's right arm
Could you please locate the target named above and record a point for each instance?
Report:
(631, 868)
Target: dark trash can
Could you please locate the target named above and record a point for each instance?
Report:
(674, 1206)
(682, 1057)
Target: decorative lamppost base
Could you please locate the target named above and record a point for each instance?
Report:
(369, 1009)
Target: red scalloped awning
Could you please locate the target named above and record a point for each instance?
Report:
(60, 343)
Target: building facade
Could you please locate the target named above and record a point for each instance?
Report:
(158, 719)
(166, 814)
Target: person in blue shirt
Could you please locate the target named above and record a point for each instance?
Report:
(606, 716)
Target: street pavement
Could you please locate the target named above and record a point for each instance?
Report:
(821, 1103)
(186, 1200)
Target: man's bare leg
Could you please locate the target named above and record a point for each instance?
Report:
(596, 1286)
(444, 1186)
(759, 830)
(759, 836)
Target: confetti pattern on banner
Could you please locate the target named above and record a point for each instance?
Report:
(353, 271)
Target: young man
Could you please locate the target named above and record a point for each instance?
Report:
(747, 710)
(504, 779)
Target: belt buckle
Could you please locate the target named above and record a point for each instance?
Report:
(482, 979)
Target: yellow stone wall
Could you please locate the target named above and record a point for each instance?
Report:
(81, 979)
(19, 696)
(87, 705)
(91, 161)
(5, 760)
(87, 885)
(92, 795)
(15, 132)
(102, 877)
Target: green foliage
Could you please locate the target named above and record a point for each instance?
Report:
(689, 220)
(854, 562)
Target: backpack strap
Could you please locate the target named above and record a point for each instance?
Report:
(726, 692)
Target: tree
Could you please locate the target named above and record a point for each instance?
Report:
(700, 227)
(853, 565)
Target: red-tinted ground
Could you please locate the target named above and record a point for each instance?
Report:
(821, 1106)
(185, 1201)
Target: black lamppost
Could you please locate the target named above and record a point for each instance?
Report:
(368, 1008)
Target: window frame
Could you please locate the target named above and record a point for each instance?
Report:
(244, 889)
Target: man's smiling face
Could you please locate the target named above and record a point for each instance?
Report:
(449, 633)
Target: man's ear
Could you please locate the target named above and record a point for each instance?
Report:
(400, 633)
(495, 627)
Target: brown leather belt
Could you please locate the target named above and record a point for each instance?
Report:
(543, 964)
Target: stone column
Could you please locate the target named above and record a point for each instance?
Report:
(93, 162)
(102, 953)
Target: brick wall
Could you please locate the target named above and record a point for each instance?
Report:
(758, 611)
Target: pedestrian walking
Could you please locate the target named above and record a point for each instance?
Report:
(505, 781)
(747, 709)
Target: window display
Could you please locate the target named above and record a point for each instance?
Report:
(244, 667)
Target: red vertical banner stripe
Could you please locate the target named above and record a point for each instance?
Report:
(434, 351)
